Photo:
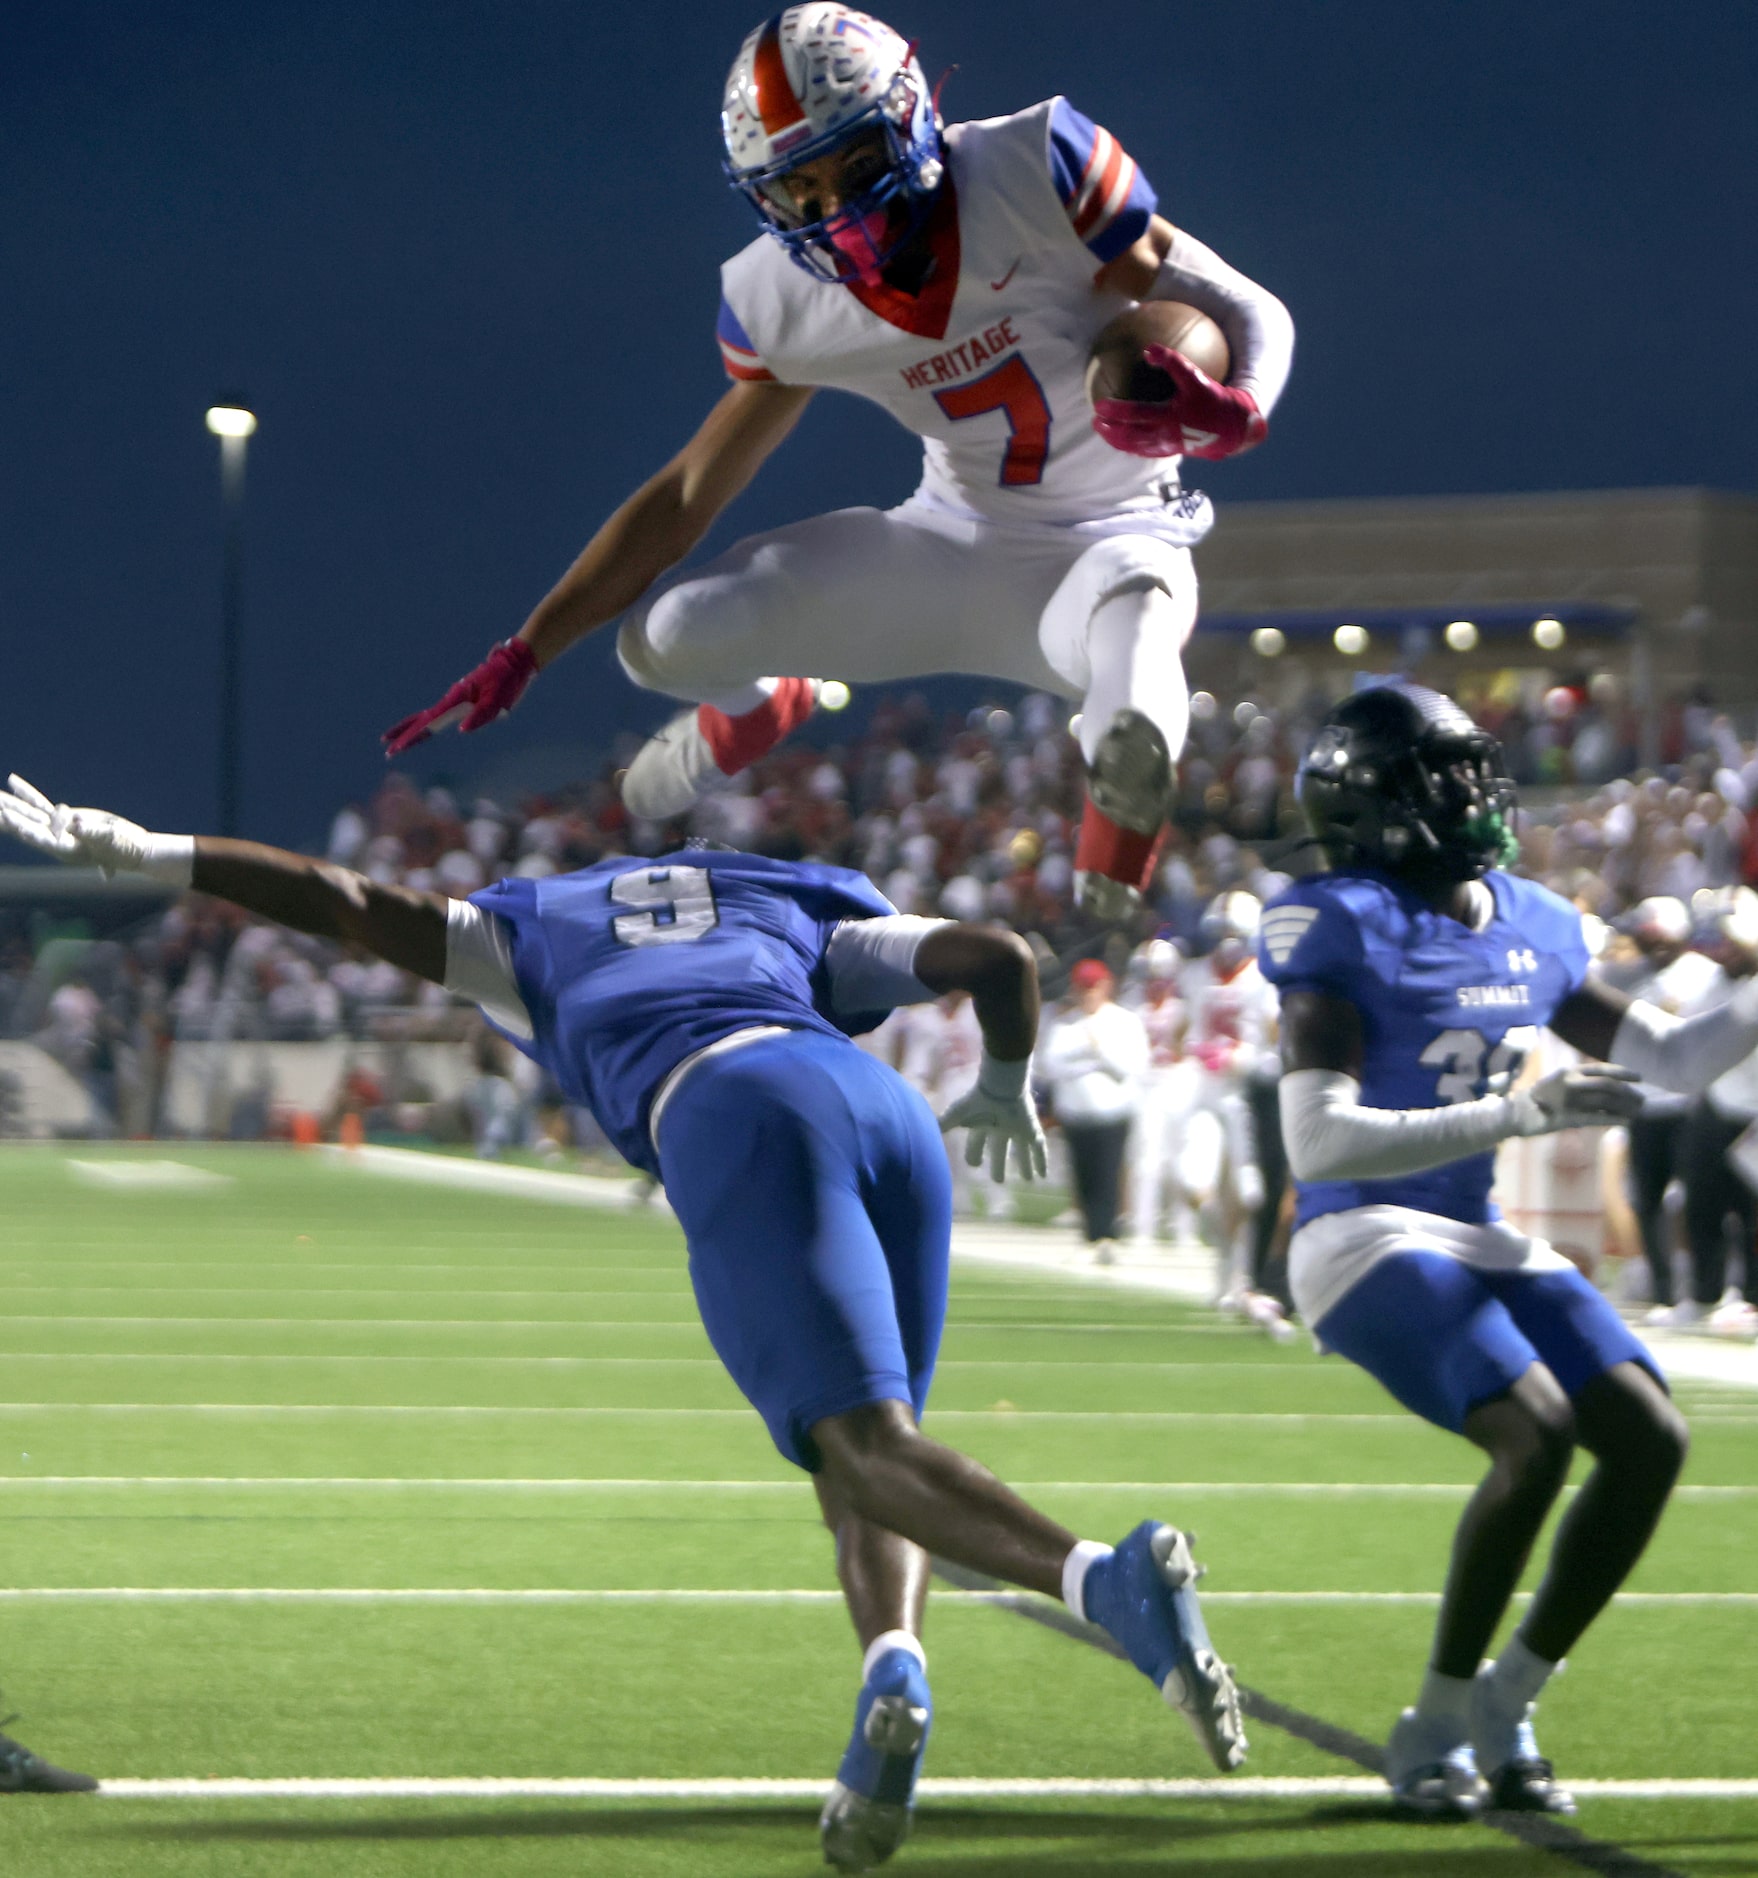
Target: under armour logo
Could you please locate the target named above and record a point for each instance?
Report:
(1522, 960)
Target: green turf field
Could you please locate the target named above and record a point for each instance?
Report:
(307, 1379)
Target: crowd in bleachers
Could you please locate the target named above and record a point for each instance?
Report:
(974, 817)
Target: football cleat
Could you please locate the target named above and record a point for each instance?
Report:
(1520, 1778)
(1733, 1317)
(1130, 777)
(872, 1805)
(1685, 1315)
(1431, 1774)
(702, 748)
(1144, 1595)
(1266, 1314)
(21, 1771)
(1129, 796)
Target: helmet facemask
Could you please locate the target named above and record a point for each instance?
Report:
(1412, 789)
(881, 212)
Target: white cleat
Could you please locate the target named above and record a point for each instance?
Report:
(1130, 779)
(1687, 1314)
(1432, 1774)
(1733, 1318)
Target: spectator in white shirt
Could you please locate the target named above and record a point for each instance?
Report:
(1093, 1058)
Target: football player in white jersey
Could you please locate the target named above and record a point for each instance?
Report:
(1232, 1022)
(957, 277)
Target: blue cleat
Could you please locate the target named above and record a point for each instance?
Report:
(1144, 1595)
(872, 1804)
(1432, 1773)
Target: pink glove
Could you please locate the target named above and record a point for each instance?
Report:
(493, 688)
(1201, 418)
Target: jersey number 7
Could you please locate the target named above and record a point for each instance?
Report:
(1010, 388)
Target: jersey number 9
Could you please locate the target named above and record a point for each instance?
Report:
(672, 906)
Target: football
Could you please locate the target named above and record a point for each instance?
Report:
(1117, 370)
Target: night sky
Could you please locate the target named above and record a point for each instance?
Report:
(462, 261)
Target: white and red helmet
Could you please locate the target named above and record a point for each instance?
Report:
(806, 82)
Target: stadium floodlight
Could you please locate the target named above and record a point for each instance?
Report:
(1462, 635)
(1269, 642)
(1351, 641)
(1548, 634)
(833, 695)
(234, 423)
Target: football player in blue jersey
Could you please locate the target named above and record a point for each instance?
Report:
(1414, 977)
(701, 1005)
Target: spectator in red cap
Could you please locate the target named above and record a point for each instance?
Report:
(1093, 1058)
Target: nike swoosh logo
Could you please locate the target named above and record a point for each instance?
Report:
(997, 285)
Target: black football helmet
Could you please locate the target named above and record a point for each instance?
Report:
(1400, 779)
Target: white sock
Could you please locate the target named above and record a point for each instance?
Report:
(746, 698)
(1074, 1573)
(892, 1640)
(1519, 1674)
(1446, 1699)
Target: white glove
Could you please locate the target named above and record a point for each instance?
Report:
(1596, 1095)
(998, 1111)
(93, 837)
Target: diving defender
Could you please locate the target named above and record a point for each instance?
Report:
(1414, 978)
(957, 277)
(702, 1007)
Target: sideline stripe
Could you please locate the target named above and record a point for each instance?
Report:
(1242, 1787)
(1024, 1602)
(608, 1484)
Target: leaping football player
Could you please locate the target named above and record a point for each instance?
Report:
(956, 276)
(1414, 978)
(702, 1006)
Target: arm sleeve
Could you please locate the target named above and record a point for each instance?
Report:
(1108, 200)
(1687, 1054)
(871, 963)
(479, 966)
(1259, 328)
(737, 353)
(1330, 1136)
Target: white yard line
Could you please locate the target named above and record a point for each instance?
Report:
(938, 1416)
(399, 1483)
(484, 1594)
(1247, 1787)
(524, 1183)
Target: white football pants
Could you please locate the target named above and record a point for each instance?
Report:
(872, 595)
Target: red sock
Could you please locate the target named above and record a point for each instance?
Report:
(1118, 853)
(737, 742)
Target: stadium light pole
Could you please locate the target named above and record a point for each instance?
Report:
(234, 425)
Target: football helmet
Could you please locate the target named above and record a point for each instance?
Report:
(1400, 779)
(811, 80)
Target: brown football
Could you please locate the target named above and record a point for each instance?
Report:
(1117, 370)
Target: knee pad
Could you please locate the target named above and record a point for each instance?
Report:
(1114, 565)
(635, 654)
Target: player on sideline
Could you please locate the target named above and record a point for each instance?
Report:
(1414, 977)
(957, 277)
(701, 1006)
